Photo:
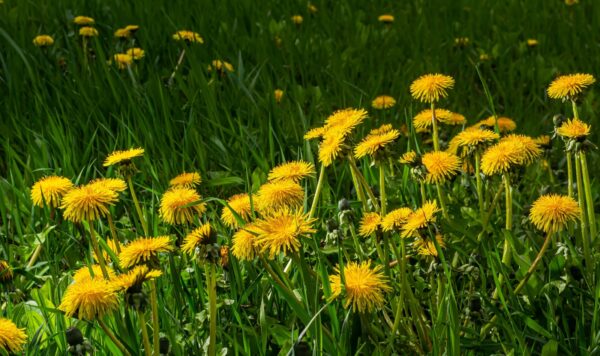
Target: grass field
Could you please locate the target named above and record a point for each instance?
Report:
(481, 290)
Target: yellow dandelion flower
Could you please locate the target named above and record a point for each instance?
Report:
(122, 33)
(144, 249)
(342, 122)
(240, 203)
(6, 273)
(83, 20)
(475, 137)
(122, 60)
(395, 219)
(136, 53)
(551, 213)
(179, 205)
(123, 157)
(505, 124)
(293, 170)
(50, 190)
(426, 247)
(188, 36)
(376, 140)
(369, 223)
(461, 41)
(440, 165)
(317, 132)
(383, 102)
(312, 8)
(484, 57)
(454, 119)
(199, 236)
(330, 149)
(112, 245)
(568, 87)
(244, 244)
(132, 28)
(117, 185)
(409, 157)
(544, 141)
(220, 66)
(278, 94)
(87, 203)
(279, 194)
(281, 232)
(43, 41)
(501, 157)
(532, 42)
(574, 129)
(386, 18)
(430, 88)
(89, 299)
(571, 2)
(297, 19)
(135, 277)
(83, 274)
(364, 287)
(420, 219)
(186, 180)
(88, 32)
(529, 148)
(424, 119)
(12, 339)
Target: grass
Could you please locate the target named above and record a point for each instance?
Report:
(62, 116)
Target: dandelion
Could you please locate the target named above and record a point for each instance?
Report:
(440, 165)
(501, 157)
(122, 33)
(386, 18)
(240, 203)
(293, 170)
(551, 213)
(186, 180)
(279, 194)
(544, 141)
(474, 138)
(220, 66)
(136, 53)
(117, 185)
(112, 246)
(532, 42)
(143, 250)
(342, 122)
(574, 129)
(423, 119)
(87, 203)
(281, 232)
(90, 299)
(12, 339)
(84, 274)
(122, 60)
(83, 20)
(200, 236)
(312, 8)
(244, 243)
(383, 102)
(461, 41)
(278, 95)
(123, 157)
(188, 37)
(363, 286)
(330, 149)
(297, 19)
(568, 87)
(135, 277)
(529, 150)
(426, 247)
(375, 141)
(430, 88)
(420, 219)
(43, 41)
(317, 132)
(179, 205)
(6, 273)
(409, 157)
(571, 2)
(395, 219)
(505, 124)
(369, 223)
(88, 32)
(132, 28)
(50, 190)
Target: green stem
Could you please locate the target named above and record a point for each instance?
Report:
(479, 183)
(113, 233)
(575, 111)
(363, 181)
(423, 195)
(589, 200)
(436, 141)
(35, 256)
(114, 339)
(359, 191)
(179, 61)
(145, 337)
(442, 200)
(402, 283)
(507, 254)
(97, 251)
(211, 286)
(137, 206)
(382, 189)
(584, 223)
(569, 175)
(155, 327)
(320, 182)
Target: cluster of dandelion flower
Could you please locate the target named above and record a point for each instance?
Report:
(188, 37)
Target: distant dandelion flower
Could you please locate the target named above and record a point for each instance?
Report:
(461, 41)
(144, 249)
(409, 157)
(83, 20)
(529, 150)
(220, 66)
(297, 19)
(88, 32)
(240, 203)
(122, 60)
(317, 132)
(505, 124)
(383, 102)
(369, 223)
(135, 277)
(395, 219)
(89, 299)
(426, 247)
(475, 137)
(551, 213)
(424, 119)
(574, 129)
(571, 2)
(244, 244)
(568, 87)
(278, 95)
(123, 157)
(386, 18)
(117, 185)
(532, 42)
(83, 274)
(43, 41)
(501, 157)
(440, 165)
(279, 194)
(12, 339)
(199, 236)
(122, 33)
(430, 88)
(188, 36)
(186, 180)
(281, 231)
(420, 219)
(364, 287)
(50, 190)
(87, 203)
(454, 119)
(132, 28)
(179, 205)
(312, 8)
(375, 141)
(484, 57)
(293, 170)
(136, 53)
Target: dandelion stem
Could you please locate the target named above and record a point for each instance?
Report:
(436, 142)
(364, 182)
(589, 200)
(137, 206)
(569, 174)
(35, 255)
(584, 222)
(320, 182)
(479, 183)
(177, 65)
(145, 337)
(507, 254)
(423, 195)
(113, 233)
(211, 285)
(155, 327)
(97, 251)
(442, 200)
(114, 339)
(382, 189)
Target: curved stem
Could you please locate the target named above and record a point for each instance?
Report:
(137, 206)
(97, 251)
(363, 182)
(313, 207)
(114, 339)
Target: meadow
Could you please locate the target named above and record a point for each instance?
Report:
(299, 178)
